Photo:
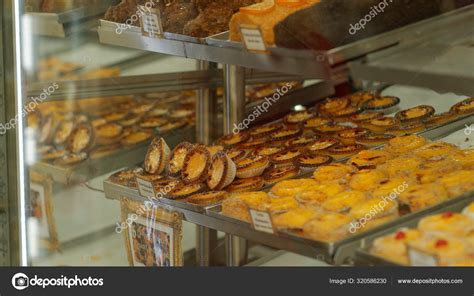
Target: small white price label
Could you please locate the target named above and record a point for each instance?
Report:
(151, 22)
(146, 188)
(262, 221)
(419, 258)
(253, 39)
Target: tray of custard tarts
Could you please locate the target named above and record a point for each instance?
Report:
(443, 239)
(374, 189)
(69, 137)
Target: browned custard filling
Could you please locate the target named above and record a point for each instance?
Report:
(464, 107)
(361, 97)
(416, 113)
(233, 139)
(109, 130)
(299, 142)
(178, 156)
(185, 190)
(216, 172)
(136, 137)
(298, 117)
(330, 128)
(252, 162)
(352, 133)
(236, 154)
(196, 165)
(248, 184)
(253, 143)
(312, 161)
(277, 174)
(269, 150)
(346, 149)
(365, 116)
(316, 121)
(285, 134)
(323, 144)
(152, 122)
(286, 156)
(333, 105)
(374, 139)
(115, 116)
(351, 110)
(265, 130)
(384, 122)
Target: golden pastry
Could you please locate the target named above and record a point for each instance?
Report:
(336, 172)
(207, 198)
(464, 107)
(233, 139)
(286, 157)
(236, 154)
(349, 136)
(183, 191)
(342, 151)
(215, 149)
(291, 187)
(104, 151)
(172, 125)
(177, 157)
(439, 119)
(333, 105)
(251, 166)
(369, 159)
(222, 171)
(296, 118)
(458, 183)
(367, 180)
(418, 197)
(360, 98)
(249, 184)
(435, 150)
(268, 150)
(343, 201)
(280, 205)
(315, 122)
(136, 137)
(141, 109)
(124, 176)
(264, 130)
(299, 142)
(406, 129)
(53, 154)
(115, 116)
(196, 165)
(108, 133)
(321, 146)
(253, 144)
(380, 125)
(385, 103)
(327, 227)
(465, 158)
(344, 114)
(293, 219)
(307, 161)
(374, 208)
(373, 140)
(284, 135)
(365, 116)
(276, 175)
(404, 144)
(391, 189)
(153, 122)
(394, 246)
(469, 210)
(401, 166)
(418, 114)
(447, 224)
(70, 159)
(128, 121)
(80, 139)
(157, 156)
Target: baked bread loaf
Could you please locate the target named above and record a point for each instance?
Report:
(333, 23)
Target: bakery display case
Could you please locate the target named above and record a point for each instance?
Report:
(272, 123)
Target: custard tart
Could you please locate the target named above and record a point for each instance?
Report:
(153, 122)
(315, 122)
(196, 165)
(183, 191)
(360, 98)
(135, 137)
(70, 159)
(207, 198)
(157, 156)
(172, 125)
(141, 109)
(387, 104)
(439, 119)
(215, 149)
(344, 114)
(404, 144)
(329, 129)
(268, 150)
(350, 135)
(293, 219)
(264, 130)
(124, 176)
(233, 139)
(415, 114)
(284, 135)
(251, 166)
(222, 171)
(464, 107)
(115, 116)
(276, 175)
(253, 144)
(322, 145)
(108, 133)
(177, 158)
(286, 157)
(406, 129)
(365, 116)
(299, 142)
(327, 227)
(63, 131)
(312, 161)
(181, 113)
(374, 140)
(342, 151)
(332, 105)
(165, 185)
(236, 154)
(297, 118)
(80, 139)
(381, 124)
(249, 184)
(369, 159)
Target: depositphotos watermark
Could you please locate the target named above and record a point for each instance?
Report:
(355, 226)
(141, 10)
(146, 207)
(28, 108)
(262, 108)
(21, 281)
(469, 129)
(376, 9)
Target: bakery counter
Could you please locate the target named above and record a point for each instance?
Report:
(65, 23)
(92, 168)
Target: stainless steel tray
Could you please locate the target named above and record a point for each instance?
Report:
(90, 169)
(363, 257)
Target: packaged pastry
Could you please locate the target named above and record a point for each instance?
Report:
(448, 223)
(327, 227)
(394, 246)
(367, 180)
(418, 197)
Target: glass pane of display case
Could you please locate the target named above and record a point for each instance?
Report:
(260, 133)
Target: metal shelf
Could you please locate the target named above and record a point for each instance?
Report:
(318, 64)
(63, 24)
(335, 253)
(90, 168)
(443, 63)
